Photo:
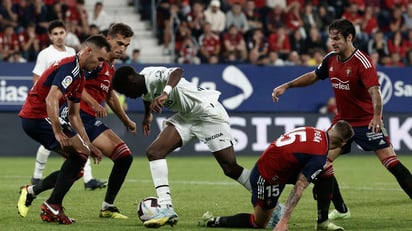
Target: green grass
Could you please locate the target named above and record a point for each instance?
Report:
(198, 184)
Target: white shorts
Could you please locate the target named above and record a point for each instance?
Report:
(208, 122)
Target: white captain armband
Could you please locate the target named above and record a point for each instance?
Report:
(168, 89)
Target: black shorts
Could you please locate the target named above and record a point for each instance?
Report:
(368, 140)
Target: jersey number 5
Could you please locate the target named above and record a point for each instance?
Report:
(291, 137)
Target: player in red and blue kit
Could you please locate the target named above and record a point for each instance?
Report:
(355, 84)
(62, 81)
(297, 157)
(99, 90)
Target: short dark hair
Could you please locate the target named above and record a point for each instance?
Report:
(120, 28)
(121, 77)
(343, 26)
(99, 41)
(54, 24)
(345, 130)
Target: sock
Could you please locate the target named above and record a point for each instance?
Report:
(337, 198)
(401, 173)
(69, 173)
(244, 179)
(160, 172)
(106, 205)
(87, 171)
(323, 191)
(41, 161)
(48, 183)
(241, 220)
(118, 174)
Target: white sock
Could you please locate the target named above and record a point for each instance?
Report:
(41, 161)
(87, 171)
(160, 173)
(244, 179)
(106, 205)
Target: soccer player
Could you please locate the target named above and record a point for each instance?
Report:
(355, 84)
(41, 121)
(98, 90)
(55, 52)
(198, 115)
(296, 157)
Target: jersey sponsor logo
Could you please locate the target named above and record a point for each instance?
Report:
(105, 85)
(339, 84)
(67, 81)
(213, 137)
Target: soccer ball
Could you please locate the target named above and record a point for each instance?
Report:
(147, 208)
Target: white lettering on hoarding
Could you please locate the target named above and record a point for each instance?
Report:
(12, 94)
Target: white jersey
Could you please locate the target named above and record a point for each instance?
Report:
(184, 96)
(50, 55)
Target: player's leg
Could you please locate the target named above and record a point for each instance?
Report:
(168, 140)
(114, 148)
(391, 162)
(41, 160)
(71, 170)
(322, 192)
(341, 211)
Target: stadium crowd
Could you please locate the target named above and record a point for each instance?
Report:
(261, 32)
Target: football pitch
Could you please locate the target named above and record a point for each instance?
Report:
(198, 184)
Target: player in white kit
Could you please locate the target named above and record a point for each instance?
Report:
(198, 115)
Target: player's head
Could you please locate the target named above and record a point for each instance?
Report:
(119, 36)
(340, 133)
(57, 33)
(94, 51)
(126, 81)
(342, 33)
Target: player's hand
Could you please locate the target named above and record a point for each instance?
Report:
(376, 124)
(95, 153)
(146, 124)
(278, 91)
(64, 140)
(157, 104)
(100, 110)
(131, 127)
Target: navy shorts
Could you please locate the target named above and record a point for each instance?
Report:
(368, 140)
(264, 194)
(93, 126)
(41, 131)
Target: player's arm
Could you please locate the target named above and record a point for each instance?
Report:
(98, 109)
(376, 123)
(77, 123)
(293, 199)
(174, 77)
(52, 106)
(304, 80)
(147, 119)
(112, 99)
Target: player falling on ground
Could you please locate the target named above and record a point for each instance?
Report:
(198, 115)
(41, 121)
(55, 52)
(355, 84)
(98, 90)
(296, 157)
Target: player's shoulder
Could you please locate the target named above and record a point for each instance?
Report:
(363, 58)
(70, 50)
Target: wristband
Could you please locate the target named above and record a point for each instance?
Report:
(167, 89)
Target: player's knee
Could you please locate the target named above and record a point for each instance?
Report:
(120, 151)
(153, 153)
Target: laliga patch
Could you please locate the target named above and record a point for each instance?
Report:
(67, 81)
